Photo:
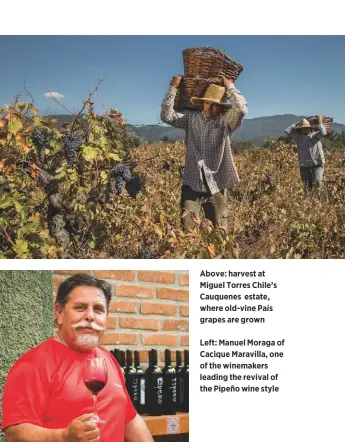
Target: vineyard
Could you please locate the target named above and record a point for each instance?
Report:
(86, 190)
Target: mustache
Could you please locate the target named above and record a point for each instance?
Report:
(84, 324)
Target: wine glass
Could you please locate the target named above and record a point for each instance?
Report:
(95, 377)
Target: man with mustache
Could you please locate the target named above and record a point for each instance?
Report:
(45, 398)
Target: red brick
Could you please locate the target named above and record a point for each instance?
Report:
(134, 291)
(111, 322)
(71, 272)
(126, 275)
(176, 324)
(56, 282)
(177, 295)
(184, 310)
(144, 355)
(160, 339)
(158, 309)
(119, 339)
(143, 324)
(185, 340)
(122, 307)
(184, 279)
(160, 277)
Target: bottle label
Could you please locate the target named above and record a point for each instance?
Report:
(135, 389)
(160, 390)
(142, 391)
(173, 389)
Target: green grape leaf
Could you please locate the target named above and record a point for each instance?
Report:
(90, 153)
(14, 125)
(5, 202)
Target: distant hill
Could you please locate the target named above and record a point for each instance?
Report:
(257, 129)
(252, 129)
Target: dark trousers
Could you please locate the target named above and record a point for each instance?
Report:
(312, 176)
(214, 206)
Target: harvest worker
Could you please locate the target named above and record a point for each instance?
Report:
(209, 167)
(45, 398)
(309, 148)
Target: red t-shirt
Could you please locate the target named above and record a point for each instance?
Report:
(45, 387)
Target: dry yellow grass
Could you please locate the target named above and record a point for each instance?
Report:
(271, 214)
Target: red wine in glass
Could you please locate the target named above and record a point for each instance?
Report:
(94, 385)
(95, 378)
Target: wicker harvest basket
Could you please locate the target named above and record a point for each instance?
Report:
(327, 121)
(205, 62)
(202, 67)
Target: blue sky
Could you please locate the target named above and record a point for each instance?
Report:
(302, 75)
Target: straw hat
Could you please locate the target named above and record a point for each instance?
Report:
(304, 123)
(214, 94)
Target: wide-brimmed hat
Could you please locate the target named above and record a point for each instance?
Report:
(213, 94)
(304, 123)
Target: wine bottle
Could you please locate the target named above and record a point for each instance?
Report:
(147, 372)
(122, 361)
(117, 355)
(140, 406)
(169, 385)
(179, 382)
(154, 387)
(131, 379)
(185, 383)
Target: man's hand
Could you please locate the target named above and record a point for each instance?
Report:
(226, 81)
(320, 118)
(176, 81)
(81, 430)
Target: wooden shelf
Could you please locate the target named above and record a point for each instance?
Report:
(173, 424)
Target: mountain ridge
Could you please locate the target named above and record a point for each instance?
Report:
(252, 129)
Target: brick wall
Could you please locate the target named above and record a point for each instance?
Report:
(149, 309)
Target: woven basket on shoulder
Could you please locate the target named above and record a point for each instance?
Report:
(206, 62)
(327, 121)
(202, 67)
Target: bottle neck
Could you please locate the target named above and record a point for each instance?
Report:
(129, 358)
(136, 359)
(117, 355)
(178, 359)
(122, 359)
(154, 357)
(167, 358)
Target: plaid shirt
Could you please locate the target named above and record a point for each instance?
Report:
(207, 141)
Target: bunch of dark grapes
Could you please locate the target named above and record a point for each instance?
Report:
(146, 254)
(71, 145)
(168, 164)
(41, 138)
(133, 187)
(119, 175)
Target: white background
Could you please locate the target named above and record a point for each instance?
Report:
(155, 17)
(309, 314)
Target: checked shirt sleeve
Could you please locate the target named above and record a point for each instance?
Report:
(169, 115)
(290, 132)
(233, 117)
(320, 133)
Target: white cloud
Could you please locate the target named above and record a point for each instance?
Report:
(54, 94)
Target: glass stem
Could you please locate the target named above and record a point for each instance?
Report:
(94, 404)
